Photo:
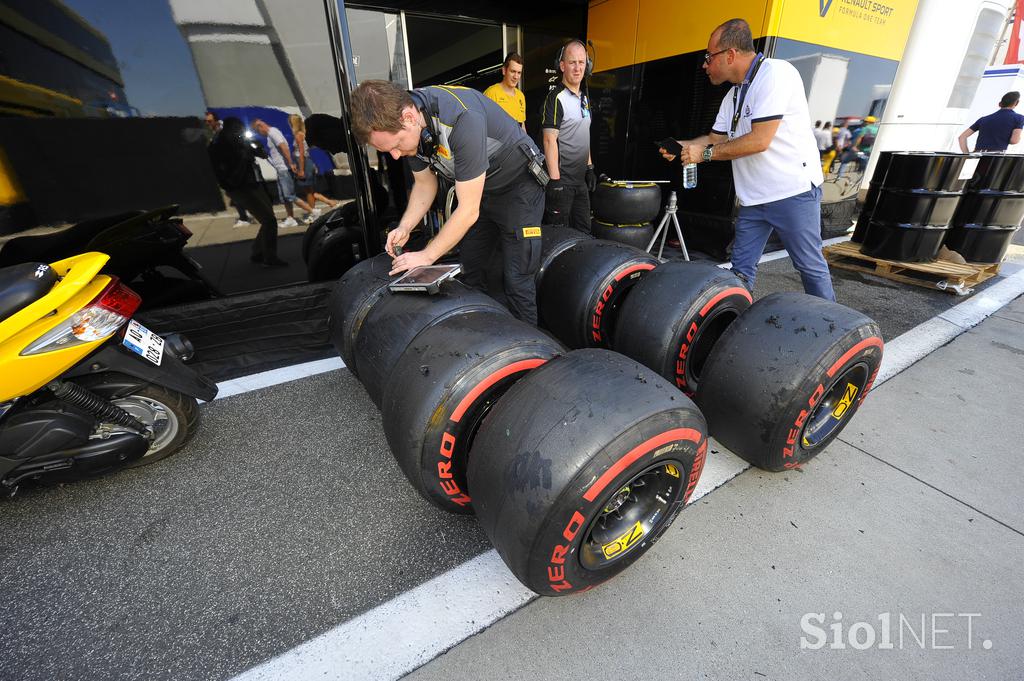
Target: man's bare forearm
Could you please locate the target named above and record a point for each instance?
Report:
(452, 231)
(551, 155)
(421, 198)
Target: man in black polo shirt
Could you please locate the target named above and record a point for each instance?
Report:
(468, 139)
(565, 119)
(997, 130)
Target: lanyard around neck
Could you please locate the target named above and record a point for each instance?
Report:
(741, 91)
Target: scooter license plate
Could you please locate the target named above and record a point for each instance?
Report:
(144, 342)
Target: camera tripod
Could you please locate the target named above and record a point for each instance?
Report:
(670, 212)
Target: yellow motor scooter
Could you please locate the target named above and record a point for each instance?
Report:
(84, 388)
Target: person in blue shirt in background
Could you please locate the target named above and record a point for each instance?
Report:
(997, 130)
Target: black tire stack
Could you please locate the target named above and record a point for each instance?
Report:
(577, 461)
(623, 212)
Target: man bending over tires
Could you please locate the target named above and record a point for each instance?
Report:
(467, 138)
(764, 128)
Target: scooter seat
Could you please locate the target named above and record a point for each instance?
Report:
(21, 285)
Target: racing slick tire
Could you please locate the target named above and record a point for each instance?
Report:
(581, 466)
(392, 324)
(580, 293)
(637, 236)
(786, 377)
(352, 298)
(441, 388)
(556, 240)
(626, 203)
(675, 314)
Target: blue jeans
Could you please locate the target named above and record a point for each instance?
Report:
(797, 220)
(285, 185)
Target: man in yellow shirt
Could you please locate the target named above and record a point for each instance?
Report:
(507, 93)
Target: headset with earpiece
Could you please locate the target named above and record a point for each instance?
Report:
(428, 137)
(588, 69)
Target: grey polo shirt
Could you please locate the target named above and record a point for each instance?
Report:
(474, 135)
(570, 115)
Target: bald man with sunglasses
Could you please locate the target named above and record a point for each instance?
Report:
(764, 128)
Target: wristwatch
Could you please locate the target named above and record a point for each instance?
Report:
(706, 156)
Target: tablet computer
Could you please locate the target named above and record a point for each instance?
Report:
(424, 279)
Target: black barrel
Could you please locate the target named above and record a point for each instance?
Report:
(926, 170)
(986, 219)
(909, 225)
(998, 172)
(874, 187)
(987, 207)
(915, 206)
(980, 243)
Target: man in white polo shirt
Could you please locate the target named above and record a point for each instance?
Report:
(764, 128)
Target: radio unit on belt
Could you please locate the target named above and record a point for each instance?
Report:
(535, 164)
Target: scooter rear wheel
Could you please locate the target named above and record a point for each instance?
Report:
(173, 417)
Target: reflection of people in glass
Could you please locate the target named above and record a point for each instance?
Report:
(305, 169)
(281, 159)
(507, 93)
(234, 163)
(213, 127)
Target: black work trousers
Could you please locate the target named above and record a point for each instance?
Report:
(568, 205)
(503, 222)
(255, 200)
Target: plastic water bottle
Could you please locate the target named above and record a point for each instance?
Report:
(689, 175)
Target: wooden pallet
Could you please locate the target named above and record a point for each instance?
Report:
(940, 274)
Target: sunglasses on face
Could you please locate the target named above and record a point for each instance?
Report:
(708, 56)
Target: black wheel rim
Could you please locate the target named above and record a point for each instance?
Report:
(632, 513)
(835, 407)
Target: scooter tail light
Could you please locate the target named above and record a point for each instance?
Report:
(102, 317)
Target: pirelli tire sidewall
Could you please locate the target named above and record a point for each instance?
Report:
(441, 388)
(787, 376)
(555, 240)
(581, 291)
(352, 298)
(674, 315)
(626, 204)
(637, 235)
(554, 454)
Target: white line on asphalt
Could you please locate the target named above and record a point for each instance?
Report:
(413, 628)
(276, 376)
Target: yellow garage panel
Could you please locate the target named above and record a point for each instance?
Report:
(869, 27)
(669, 27)
(611, 25)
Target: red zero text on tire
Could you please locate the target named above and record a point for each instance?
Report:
(595, 318)
(691, 333)
(556, 571)
(801, 419)
(695, 470)
(448, 441)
